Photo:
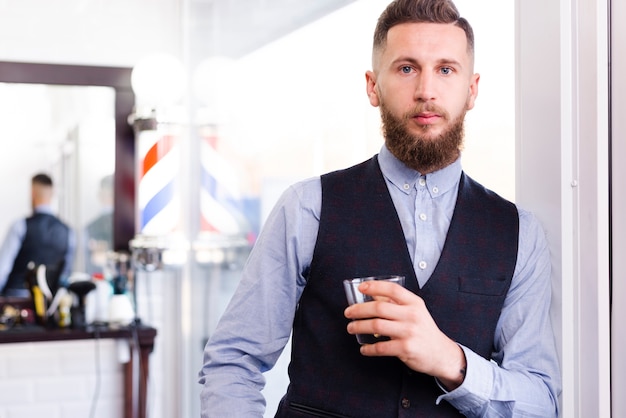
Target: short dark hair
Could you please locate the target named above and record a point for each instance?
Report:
(421, 11)
(43, 179)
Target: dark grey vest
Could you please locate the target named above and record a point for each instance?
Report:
(360, 235)
(45, 242)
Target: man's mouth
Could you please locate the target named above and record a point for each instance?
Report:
(426, 118)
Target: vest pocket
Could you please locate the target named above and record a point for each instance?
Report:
(483, 286)
(309, 411)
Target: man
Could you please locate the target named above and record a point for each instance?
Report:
(41, 238)
(469, 334)
(99, 232)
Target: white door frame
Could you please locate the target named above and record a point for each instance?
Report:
(563, 177)
(618, 186)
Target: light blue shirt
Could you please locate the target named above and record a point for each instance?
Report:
(522, 378)
(13, 242)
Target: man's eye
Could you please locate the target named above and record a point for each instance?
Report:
(406, 69)
(446, 70)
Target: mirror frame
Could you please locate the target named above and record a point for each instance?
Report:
(119, 79)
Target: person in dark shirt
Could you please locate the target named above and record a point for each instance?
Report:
(41, 238)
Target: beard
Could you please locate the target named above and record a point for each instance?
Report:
(420, 151)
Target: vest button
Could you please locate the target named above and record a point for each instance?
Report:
(406, 403)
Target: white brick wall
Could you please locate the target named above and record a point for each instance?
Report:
(59, 379)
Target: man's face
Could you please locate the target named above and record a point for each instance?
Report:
(423, 83)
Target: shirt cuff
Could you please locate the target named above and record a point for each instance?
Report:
(476, 388)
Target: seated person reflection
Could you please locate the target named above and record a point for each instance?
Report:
(468, 335)
(99, 232)
(41, 238)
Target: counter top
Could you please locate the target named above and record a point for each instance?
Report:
(35, 333)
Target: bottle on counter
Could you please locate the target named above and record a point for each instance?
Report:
(102, 298)
(65, 306)
(121, 310)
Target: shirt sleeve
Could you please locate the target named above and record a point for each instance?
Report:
(69, 255)
(523, 376)
(10, 247)
(243, 346)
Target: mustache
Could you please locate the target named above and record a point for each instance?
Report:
(427, 108)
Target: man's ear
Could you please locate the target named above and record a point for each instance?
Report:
(473, 91)
(372, 94)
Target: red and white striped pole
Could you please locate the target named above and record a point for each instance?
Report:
(222, 225)
(158, 189)
(158, 82)
(220, 207)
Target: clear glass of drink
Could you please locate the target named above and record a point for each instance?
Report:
(351, 286)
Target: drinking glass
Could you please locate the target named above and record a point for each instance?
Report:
(351, 286)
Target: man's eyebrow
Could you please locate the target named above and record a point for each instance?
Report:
(449, 61)
(441, 61)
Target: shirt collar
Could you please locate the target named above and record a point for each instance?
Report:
(43, 209)
(405, 178)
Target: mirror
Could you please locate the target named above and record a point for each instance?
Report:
(71, 122)
(69, 133)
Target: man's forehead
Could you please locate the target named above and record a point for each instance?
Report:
(428, 32)
(447, 39)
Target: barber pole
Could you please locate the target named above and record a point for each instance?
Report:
(158, 191)
(219, 197)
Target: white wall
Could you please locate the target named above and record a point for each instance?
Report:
(111, 33)
(61, 379)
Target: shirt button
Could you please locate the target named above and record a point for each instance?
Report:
(406, 186)
(422, 181)
(422, 265)
(423, 216)
(406, 403)
(435, 189)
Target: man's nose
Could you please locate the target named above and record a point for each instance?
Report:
(425, 87)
